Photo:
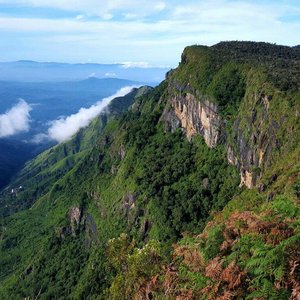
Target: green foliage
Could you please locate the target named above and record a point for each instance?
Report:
(172, 170)
(215, 238)
(133, 266)
(296, 188)
(228, 88)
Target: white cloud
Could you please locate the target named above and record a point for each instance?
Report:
(79, 17)
(135, 64)
(110, 74)
(103, 8)
(129, 16)
(140, 65)
(15, 120)
(40, 138)
(160, 6)
(63, 129)
(106, 16)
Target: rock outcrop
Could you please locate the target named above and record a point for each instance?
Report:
(194, 116)
(75, 215)
(253, 140)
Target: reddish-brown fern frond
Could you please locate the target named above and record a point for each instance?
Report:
(233, 276)
(214, 268)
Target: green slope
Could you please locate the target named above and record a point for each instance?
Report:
(97, 216)
(40, 174)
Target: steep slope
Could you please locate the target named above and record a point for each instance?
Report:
(178, 162)
(39, 175)
(246, 97)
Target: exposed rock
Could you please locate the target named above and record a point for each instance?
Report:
(266, 101)
(205, 183)
(131, 212)
(122, 152)
(113, 169)
(90, 230)
(252, 138)
(94, 195)
(261, 187)
(75, 218)
(128, 202)
(248, 179)
(75, 215)
(170, 120)
(230, 156)
(80, 223)
(251, 143)
(244, 158)
(194, 116)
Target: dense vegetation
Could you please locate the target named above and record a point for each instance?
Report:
(128, 210)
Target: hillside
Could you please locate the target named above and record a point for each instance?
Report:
(193, 193)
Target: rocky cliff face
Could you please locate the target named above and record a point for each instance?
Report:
(194, 116)
(252, 136)
(253, 139)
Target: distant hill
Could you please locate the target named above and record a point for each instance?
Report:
(25, 70)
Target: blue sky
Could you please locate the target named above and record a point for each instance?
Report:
(149, 33)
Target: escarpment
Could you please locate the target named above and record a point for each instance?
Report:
(249, 140)
(230, 104)
(253, 139)
(198, 114)
(194, 117)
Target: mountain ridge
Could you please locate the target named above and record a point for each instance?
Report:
(32, 71)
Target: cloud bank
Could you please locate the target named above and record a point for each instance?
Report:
(141, 65)
(15, 120)
(64, 128)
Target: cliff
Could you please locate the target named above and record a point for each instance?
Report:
(194, 116)
(248, 125)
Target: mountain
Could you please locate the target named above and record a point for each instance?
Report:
(32, 71)
(193, 193)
